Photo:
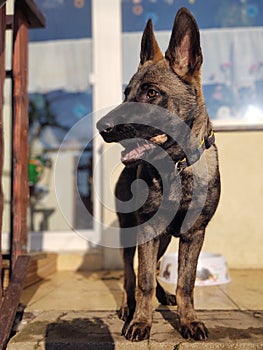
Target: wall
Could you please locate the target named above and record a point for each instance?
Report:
(236, 230)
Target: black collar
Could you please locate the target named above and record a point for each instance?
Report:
(206, 143)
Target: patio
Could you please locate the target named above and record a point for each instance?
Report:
(77, 310)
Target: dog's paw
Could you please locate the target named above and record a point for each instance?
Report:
(124, 328)
(137, 331)
(194, 330)
(123, 312)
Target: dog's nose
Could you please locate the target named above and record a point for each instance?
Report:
(104, 125)
(108, 130)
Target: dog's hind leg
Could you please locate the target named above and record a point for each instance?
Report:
(163, 296)
(189, 248)
(128, 298)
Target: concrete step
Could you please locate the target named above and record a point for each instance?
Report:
(79, 330)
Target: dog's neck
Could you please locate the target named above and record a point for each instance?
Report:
(189, 160)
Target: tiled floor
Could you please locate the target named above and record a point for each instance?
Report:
(102, 291)
(75, 310)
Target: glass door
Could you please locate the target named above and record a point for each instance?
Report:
(61, 97)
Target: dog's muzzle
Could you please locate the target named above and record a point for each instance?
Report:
(129, 124)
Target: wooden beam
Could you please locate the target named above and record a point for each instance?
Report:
(20, 148)
(11, 300)
(2, 3)
(33, 16)
(2, 79)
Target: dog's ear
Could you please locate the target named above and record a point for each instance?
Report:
(150, 50)
(184, 51)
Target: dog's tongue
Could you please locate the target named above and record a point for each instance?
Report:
(132, 154)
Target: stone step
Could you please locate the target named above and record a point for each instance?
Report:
(100, 330)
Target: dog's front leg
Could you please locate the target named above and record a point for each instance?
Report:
(140, 326)
(128, 299)
(189, 248)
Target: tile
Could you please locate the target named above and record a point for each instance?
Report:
(102, 290)
(208, 298)
(76, 291)
(246, 289)
(212, 298)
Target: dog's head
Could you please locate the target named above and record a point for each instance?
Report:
(164, 91)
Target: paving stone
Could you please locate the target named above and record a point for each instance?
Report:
(92, 330)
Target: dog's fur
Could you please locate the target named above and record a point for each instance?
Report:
(172, 82)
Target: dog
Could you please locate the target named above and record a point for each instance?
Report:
(170, 145)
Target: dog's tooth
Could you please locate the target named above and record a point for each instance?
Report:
(159, 139)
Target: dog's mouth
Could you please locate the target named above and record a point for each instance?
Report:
(135, 152)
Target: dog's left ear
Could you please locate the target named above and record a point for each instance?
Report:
(184, 51)
(150, 50)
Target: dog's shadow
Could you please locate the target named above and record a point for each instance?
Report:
(170, 316)
(215, 333)
(78, 333)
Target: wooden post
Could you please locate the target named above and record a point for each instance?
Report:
(9, 306)
(2, 78)
(26, 15)
(20, 148)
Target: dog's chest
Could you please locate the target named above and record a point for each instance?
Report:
(163, 189)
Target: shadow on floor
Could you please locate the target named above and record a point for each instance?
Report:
(78, 333)
(220, 332)
(234, 334)
(169, 316)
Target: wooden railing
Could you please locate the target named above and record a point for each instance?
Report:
(2, 79)
(26, 15)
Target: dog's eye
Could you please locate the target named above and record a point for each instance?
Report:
(151, 93)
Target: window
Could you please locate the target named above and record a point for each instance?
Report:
(231, 39)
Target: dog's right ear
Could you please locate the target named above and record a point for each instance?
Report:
(150, 50)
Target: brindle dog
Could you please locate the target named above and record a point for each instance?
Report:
(170, 86)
